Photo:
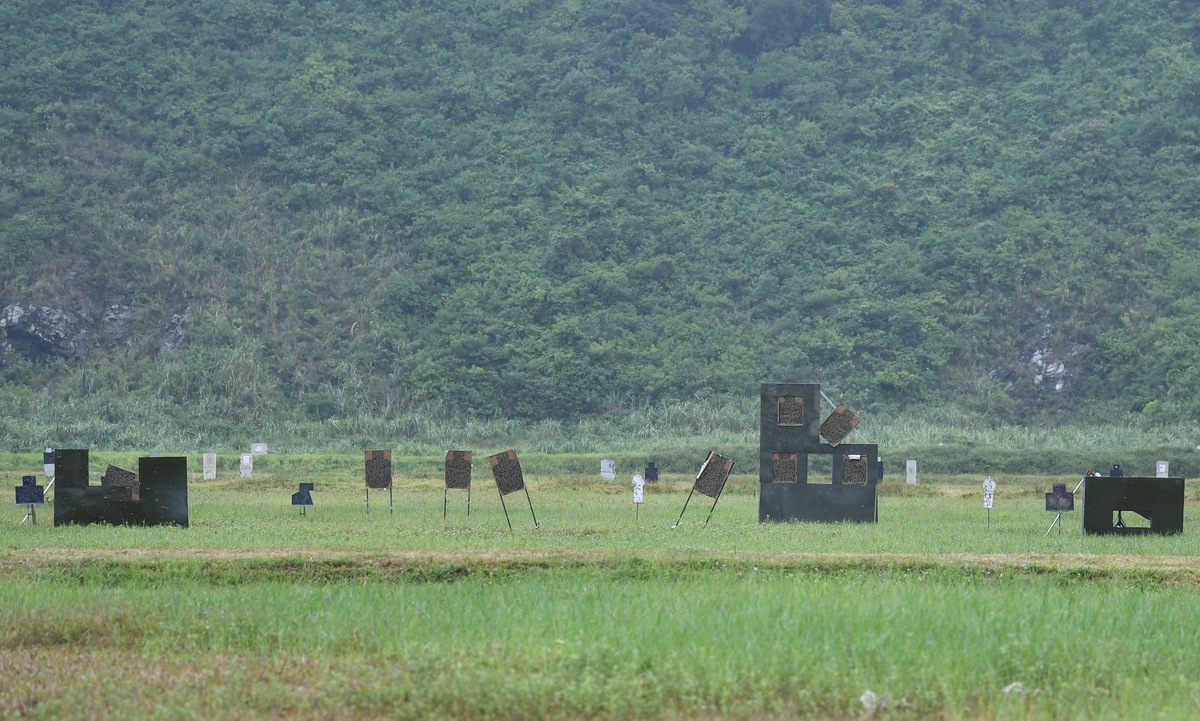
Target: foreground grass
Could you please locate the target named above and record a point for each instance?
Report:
(631, 640)
(255, 611)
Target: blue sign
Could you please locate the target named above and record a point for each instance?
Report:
(304, 496)
(29, 493)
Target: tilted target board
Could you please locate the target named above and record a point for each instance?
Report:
(506, 469)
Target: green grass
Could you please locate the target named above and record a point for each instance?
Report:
(581, 515)
(255, 611)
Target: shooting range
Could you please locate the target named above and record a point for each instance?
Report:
(789, 433)
(506, 469)
(458, 467)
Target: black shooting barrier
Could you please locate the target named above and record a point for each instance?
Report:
(789, 432)
(162, 497)
(1106, 501)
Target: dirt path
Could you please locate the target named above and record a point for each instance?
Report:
(1176, 569)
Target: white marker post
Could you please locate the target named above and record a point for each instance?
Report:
(608, 470)
(989, 492)
(1162, 469)
(247, 465)
(48, 467)
(210, 466)
(638, 484)
(911, 473)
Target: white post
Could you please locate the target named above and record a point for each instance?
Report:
(911, 471)
(210, 466)
(247, 466)
(1162, 470)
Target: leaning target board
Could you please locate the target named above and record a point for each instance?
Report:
(506, 469)
(710, 481)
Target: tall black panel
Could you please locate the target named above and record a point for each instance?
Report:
(164, 492)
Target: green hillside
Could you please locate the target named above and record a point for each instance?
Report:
(236, 210)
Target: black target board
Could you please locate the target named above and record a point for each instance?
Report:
(378, 468)
(457, 477)
(458, 470)
(163, 491)
(29, 493)
(506, 469)
(117, 476)
(1059, 499)
(303, 497)
(710, 481)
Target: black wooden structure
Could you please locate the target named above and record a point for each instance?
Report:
(162, 493)
(1111, 504)
(790, 423)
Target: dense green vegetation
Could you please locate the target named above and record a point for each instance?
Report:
(549, 208)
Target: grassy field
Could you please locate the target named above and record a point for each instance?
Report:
(256, 611)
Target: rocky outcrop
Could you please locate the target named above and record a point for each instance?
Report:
(115, 323)
(1041, 372)
(48, 333)
(172, 334)
(44, 333)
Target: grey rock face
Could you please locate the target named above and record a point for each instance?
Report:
(115, 322)
(44, 333)
(172, 335)
(1041, 370)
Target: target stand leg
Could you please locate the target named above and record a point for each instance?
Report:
(710, 511)
(685, 505)
(505, 507)
(536, 525)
